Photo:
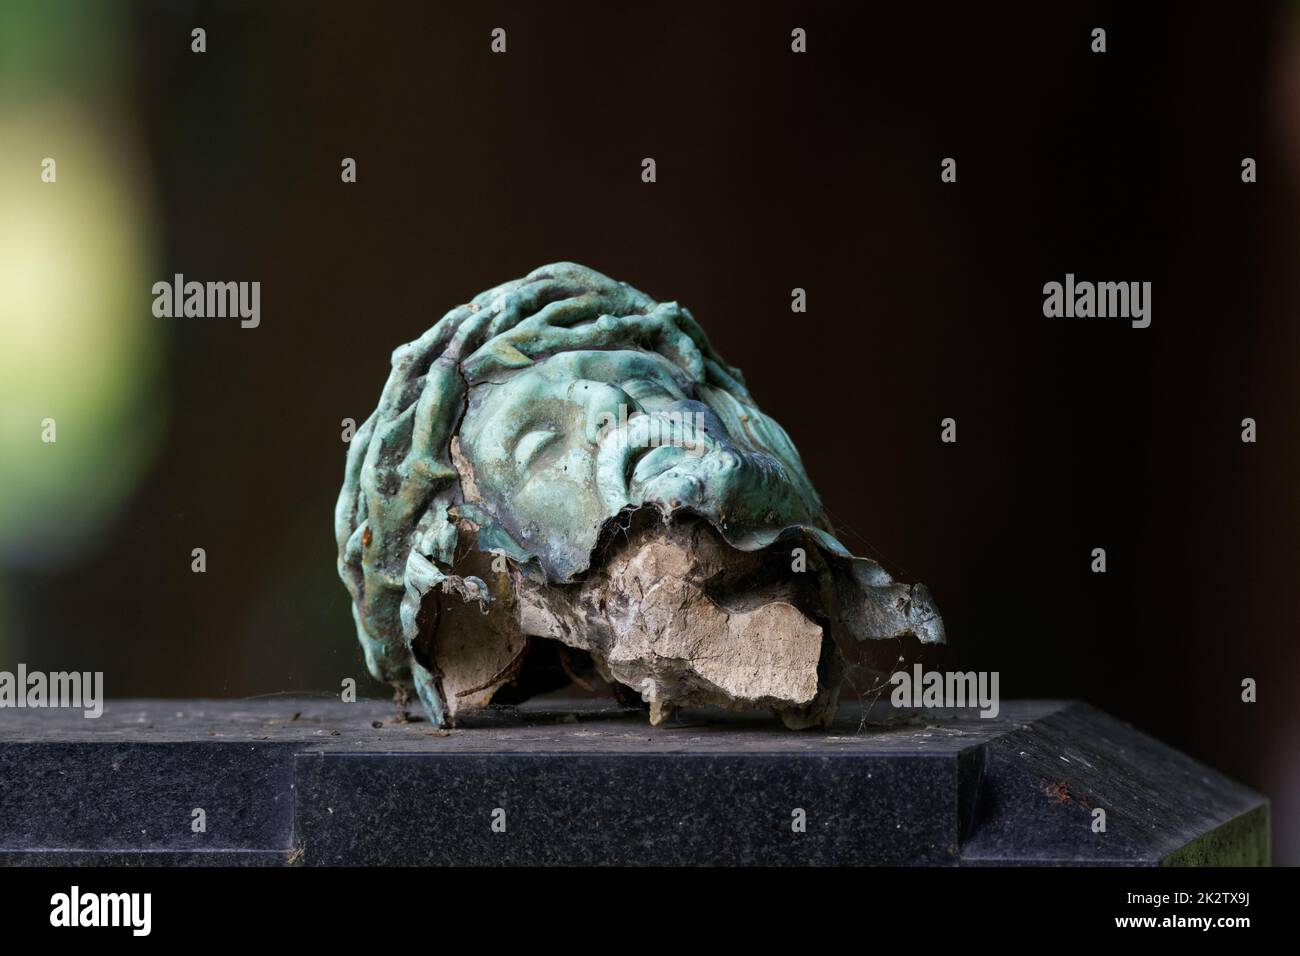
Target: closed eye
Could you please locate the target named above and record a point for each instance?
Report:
(531, 445)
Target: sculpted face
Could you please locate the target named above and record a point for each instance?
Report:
(559, 448)
(574, 460)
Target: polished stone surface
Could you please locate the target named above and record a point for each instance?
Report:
(320, 782)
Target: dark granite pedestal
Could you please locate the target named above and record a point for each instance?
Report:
(320, 782)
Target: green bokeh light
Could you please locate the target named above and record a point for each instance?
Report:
(78, 343)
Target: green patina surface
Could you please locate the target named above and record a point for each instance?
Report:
(571, 397)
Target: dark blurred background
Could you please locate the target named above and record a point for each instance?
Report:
(775, 171)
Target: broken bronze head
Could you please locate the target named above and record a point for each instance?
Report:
(564, 472)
